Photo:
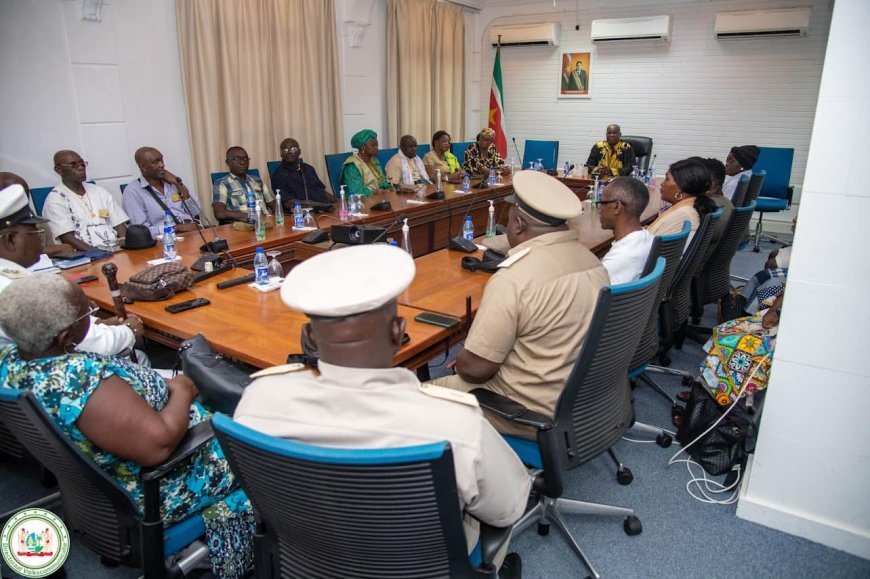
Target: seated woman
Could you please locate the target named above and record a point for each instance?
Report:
(122, 416)
(362, 172)
(440, 157)
(482, 155)
(685, 188)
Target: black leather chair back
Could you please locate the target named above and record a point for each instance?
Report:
(642, 150)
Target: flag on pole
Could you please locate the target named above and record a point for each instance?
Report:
(496, 106)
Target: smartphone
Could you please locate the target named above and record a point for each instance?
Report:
(405, 338)
(437, 319)
(188, 305)
(84, 279)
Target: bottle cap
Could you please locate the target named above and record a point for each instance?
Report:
(259, 250)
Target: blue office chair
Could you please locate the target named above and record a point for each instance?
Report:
(642, 147)
(776, 194)
(547, 151)
(329, 512)
(95, 508)
(458, 149)
(40, 194)
(271, 166)
(333, 169)
(594, 409)
(385, 155)
(422, 149)
(222, 174)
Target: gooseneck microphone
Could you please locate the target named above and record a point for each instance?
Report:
(396, 221)
(517, 149)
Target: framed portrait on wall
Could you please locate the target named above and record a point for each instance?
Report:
(575, 75)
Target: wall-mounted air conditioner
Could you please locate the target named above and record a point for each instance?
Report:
(786, 22)
(543, 34)
(623, 29)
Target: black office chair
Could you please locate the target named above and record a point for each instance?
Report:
(594, 409)
(642, 150)
(714, 281)
(740, 191)
(11, 449)
(329, 512)
(95, 508)
(675, 308)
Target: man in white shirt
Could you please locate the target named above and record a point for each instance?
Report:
(620, 208)
(21, 246)
(82, 214)
(405, 169)
(739, 162)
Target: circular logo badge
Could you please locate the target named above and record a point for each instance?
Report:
(34, 543)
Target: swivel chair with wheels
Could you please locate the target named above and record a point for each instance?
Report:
(330, 512)
(642, 147)
(592, 413)
(96, 509)
(776, 194)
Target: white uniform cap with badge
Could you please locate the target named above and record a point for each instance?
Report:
(14, 208)
(544, 198)
(348, 281)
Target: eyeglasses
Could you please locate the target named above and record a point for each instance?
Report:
(608, 202)
(290, 150)
(30, 232)
(73, 165)
(92, 309)
(239, 159)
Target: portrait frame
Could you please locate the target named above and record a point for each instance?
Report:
(570, 83)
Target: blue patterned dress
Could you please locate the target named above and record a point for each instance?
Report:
(63, 385)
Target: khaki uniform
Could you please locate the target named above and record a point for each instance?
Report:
(387, 408)
(533, 320)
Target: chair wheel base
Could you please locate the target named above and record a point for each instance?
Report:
(756, 249)
(624, 476)
(632, 526)
(687, 380)
(543, 529)
(664, 440)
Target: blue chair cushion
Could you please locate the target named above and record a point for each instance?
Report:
(180, 535)
(770, 204)
(527, 450)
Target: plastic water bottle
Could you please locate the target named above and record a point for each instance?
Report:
(490, 220)
(593, 193)
(261, 267)
(600, 195)
(406, 238)
(492, 176)
(652, 169)
(342, 208)
(252, 204)
(279, 209)
(438, 179)
(298, 216)
(468, 229)
(259, 223)
(466, 183)
(168, 237)
(634, 171)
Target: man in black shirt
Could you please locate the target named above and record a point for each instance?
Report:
(297, 180)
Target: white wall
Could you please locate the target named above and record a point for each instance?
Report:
(694, 95)
(810, 472)
(103, 89)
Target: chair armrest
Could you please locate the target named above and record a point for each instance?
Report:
(192, 441)
(511, 410)
(492, 539)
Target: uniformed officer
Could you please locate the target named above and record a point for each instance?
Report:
(536, 310)
(21, 246)
(360, 401)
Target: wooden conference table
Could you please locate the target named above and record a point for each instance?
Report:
(260, 330)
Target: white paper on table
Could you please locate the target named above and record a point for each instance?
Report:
(274, 283)
(160, 260)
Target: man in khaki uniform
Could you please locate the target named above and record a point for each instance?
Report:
(536, 310)
(360, 401)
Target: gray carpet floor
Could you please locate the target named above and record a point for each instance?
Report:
(681, 537)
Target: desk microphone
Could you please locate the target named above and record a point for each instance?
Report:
(459, 243)
(398, 219)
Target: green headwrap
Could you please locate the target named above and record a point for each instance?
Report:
(362, 137)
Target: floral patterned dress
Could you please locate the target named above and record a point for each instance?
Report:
(63, 385)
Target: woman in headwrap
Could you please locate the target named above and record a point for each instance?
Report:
(482, 155)
(739, 162)
(362, 172)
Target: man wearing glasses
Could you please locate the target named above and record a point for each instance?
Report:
(230, 193)
(622, 203)
(83, 215)
(296, 179)
(20, 247)
(147, 199)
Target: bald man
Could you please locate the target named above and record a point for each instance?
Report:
(147, 198)
(405, 169)
(81, 214)
(611, 157)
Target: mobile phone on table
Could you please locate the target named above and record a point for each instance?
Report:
(437, 319)
(188, 305)
(84, 279)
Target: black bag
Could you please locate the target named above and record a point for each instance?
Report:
(220, 381)
(724, 446)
